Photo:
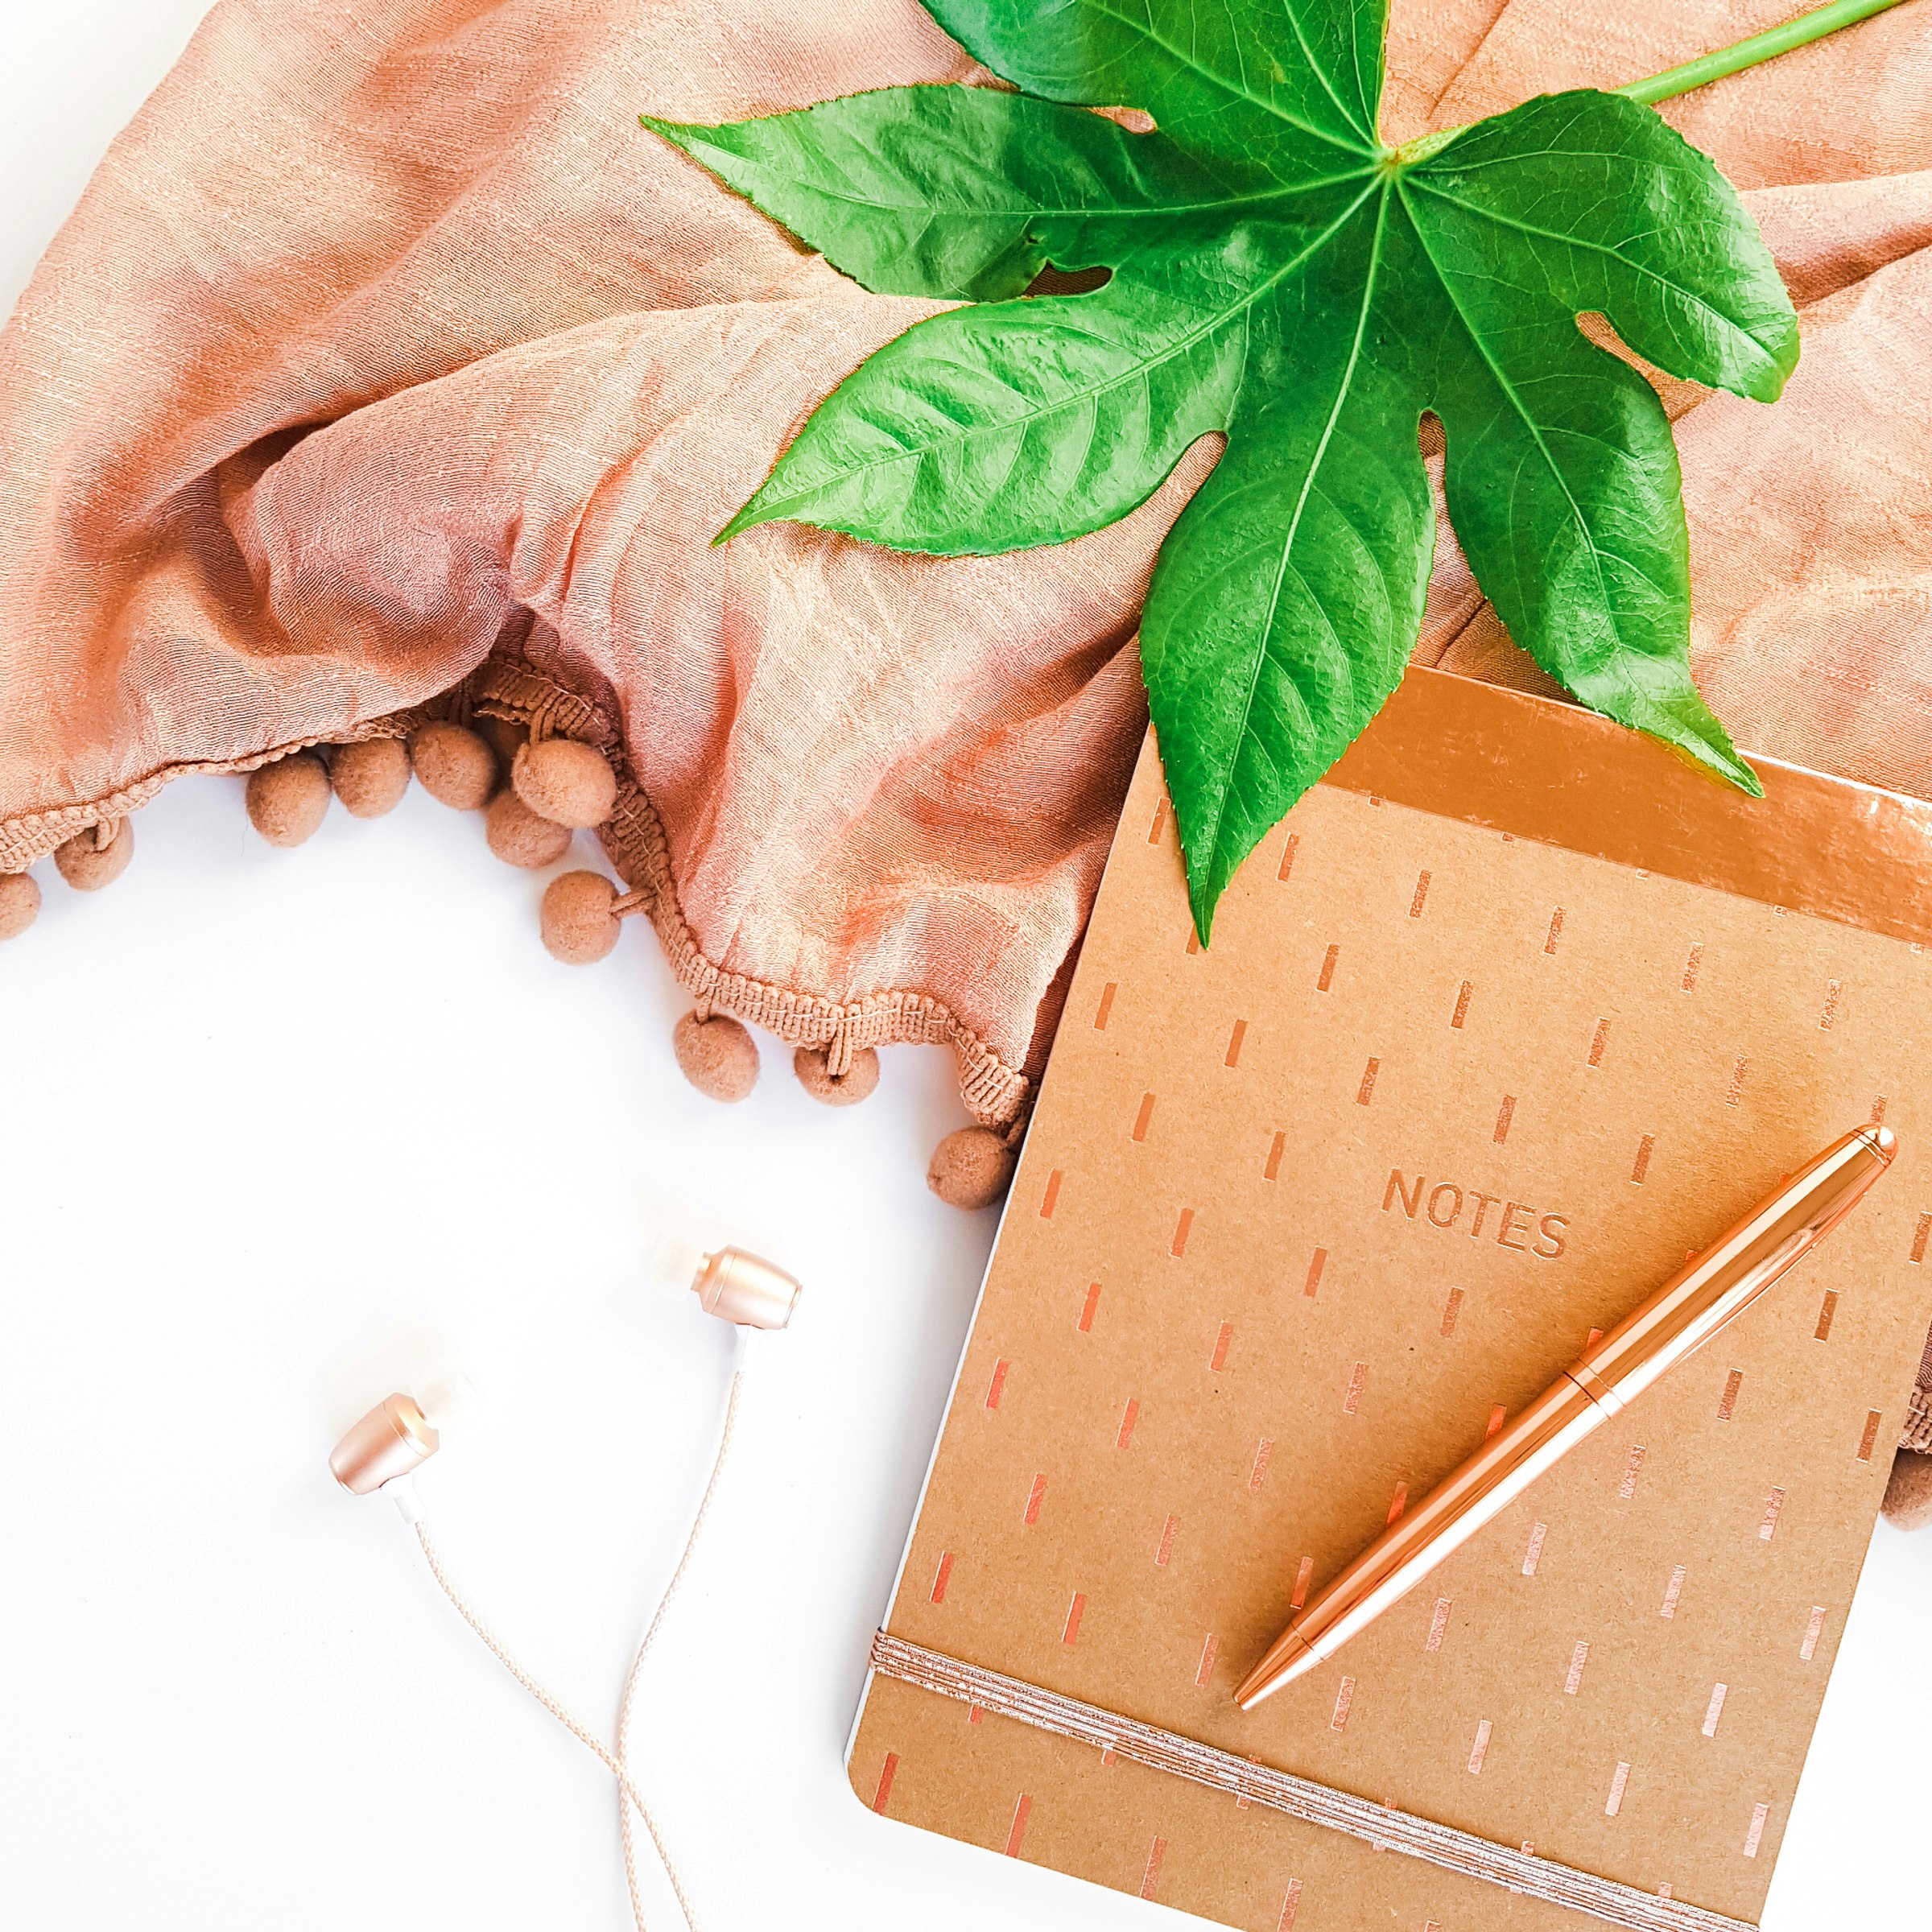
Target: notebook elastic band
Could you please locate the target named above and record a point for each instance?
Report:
(1381, 1825)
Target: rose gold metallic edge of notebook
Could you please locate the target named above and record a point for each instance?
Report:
(1487, 756)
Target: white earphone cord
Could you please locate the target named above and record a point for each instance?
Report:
(618, 1765)
(650, 1633)
(587, 1739)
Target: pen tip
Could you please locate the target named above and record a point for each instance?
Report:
(1884, 1142)
(1286, 1661)
(1258, 1683)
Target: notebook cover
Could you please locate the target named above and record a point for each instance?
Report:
(1511, 1013)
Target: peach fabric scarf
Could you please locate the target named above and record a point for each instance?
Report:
(386, 357)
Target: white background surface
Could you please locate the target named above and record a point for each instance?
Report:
(279, 1130)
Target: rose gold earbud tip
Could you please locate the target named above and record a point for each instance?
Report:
(745, 1290)
(395, 1438)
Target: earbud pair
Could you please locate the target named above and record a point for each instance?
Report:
(396, 1437)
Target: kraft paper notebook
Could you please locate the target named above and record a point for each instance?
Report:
(1513, 1012)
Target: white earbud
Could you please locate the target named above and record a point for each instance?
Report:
(445, 1394)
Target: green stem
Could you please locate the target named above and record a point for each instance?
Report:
(1766, 45)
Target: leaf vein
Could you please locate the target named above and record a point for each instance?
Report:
(1287, 544)
(1503, 382)
(1194, 65)
(1600, 248)
(1190, 339)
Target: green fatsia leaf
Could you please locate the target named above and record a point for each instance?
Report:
(1281, 277)
(1291, 86)
(971, 433)
(960, 192)
(1289, 593)
(1562, 475)
(1589, 203)
(976, 431)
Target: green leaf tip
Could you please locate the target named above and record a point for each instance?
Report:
(1280, 279)
(748, 517)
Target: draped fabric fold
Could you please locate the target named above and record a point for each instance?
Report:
(387, 356)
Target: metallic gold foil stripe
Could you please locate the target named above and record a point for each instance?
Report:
(1561, 776)
(1381, 1825)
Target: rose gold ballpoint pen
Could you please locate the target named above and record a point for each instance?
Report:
(1690, 1308)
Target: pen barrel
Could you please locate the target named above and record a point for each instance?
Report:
(1428, 1534)
(1709, 1292)
(1712, 1288)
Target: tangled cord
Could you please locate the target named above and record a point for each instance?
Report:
(622, 1766)
(617, 1763)
(586, 1738)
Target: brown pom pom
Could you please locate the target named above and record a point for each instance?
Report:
(1909, 1493)
(455, 766)
(288, 799)
(370, 778)
(578, 927)
(518, 837)
(971, 1168)
(505, 737)
(565, 782)
(97, 856)
(19, 902)
(841, 1090)
(718, 1056)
